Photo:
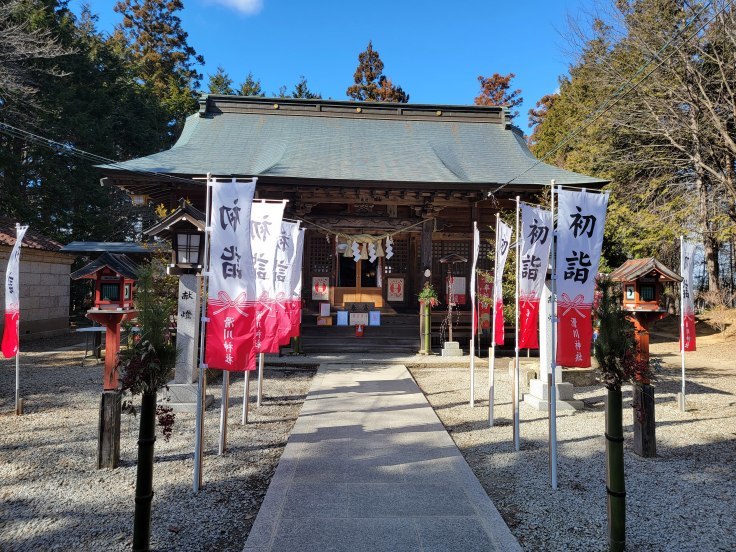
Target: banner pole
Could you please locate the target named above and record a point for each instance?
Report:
(223, 412)
(201, 385)
(515, 390)
(682, 323)
(551, 377)
(261, 363)
(492, 348)
(246, 398)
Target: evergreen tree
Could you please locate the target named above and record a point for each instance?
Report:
(301, 90)
(250, 87)
(220, 83)
(371, 85)
(494, 90)
(155, 44)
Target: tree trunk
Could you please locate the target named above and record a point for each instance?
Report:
(615, 485)
(144, 476)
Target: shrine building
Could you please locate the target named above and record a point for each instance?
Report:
(356, 171)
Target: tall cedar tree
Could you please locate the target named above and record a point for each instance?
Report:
(220, 83)
(495, 90)
(371, 85)
(301, 90)
(155, 43)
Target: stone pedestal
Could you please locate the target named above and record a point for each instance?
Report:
(537, 396)
(452, 349)
(182, 392)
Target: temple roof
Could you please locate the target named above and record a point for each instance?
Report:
(331, 140)
(116, 261)
(32, 240)
(636, 268)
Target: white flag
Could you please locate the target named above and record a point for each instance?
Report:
(536, 240)
(503, 243)
(688, 300)
(11, 331)
(580, 221)
(476, 248)
(286, 252)
(232, 290)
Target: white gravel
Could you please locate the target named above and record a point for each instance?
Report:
(685, 499)
(53, 498)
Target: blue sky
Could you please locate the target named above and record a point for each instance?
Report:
(433, 50)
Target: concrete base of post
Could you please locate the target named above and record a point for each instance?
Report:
(452, 349)
(182, 397)
(19, 408)
(108, 434)
(681, 402)
(537, 396)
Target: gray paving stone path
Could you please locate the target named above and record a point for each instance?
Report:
(369, 467)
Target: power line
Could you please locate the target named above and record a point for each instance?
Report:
(68, 149)
(619, 94)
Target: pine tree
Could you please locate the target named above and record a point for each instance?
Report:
(301, 90)
(220, 83)
(371, 85)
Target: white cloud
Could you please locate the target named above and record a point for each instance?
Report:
(248, 7)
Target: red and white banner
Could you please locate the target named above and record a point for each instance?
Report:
(12, 297)
(283, 275)
(231, 306)
(688, 299)
(536, 240)
(476, 248)
(265, 232)
(581, 217)
(503, 243)
(295, 311)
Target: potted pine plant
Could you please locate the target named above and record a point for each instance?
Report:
(427, 299)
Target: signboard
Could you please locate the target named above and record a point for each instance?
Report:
(358, 318)
(458, 290)
(395, 289)
(320, 288)
(374, 318)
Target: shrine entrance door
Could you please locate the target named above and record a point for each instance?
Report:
(358, 282)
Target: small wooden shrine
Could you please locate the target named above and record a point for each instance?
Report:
(114, 275)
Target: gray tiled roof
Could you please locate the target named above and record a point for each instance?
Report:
(298, 143)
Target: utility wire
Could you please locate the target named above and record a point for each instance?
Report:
(622, 91)
(68, 149)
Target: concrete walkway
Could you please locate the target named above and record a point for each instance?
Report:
(369, 467)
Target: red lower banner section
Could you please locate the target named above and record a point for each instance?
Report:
(574, 335)
(296, 318)
(689, 331)
(528, 324)
(285, 323)
(267, 327)
(230, 337)
(499, 323)
(10, 334)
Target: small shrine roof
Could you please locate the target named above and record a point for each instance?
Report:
(101, 247)
(118, 262)
(637, 268)
(278, 139)
(32, 240)
(185, 212)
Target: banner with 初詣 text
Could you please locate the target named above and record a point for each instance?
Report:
(10, 341)
(473, 276)
(295, 313)
(688, 300)
(231, 291)
(503, 243)
(536, 240)
(285, 264)
(581, 218)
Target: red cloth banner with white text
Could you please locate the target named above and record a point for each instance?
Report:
(688, 306)
(231, 307)
(295, 312)
(580, 220)
(503, 242)
(282, 276)
(476, 248)
(536, 240)
(265, 231)
(12, 297)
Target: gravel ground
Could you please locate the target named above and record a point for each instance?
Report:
(682, 500)
(53, 498)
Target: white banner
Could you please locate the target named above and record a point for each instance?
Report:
(503, 243)
(12, 297)
(265, 227)
(285, 264)
(688, 297)
(580, 221)
(536, 240)
(231, 289)
(473, 277)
